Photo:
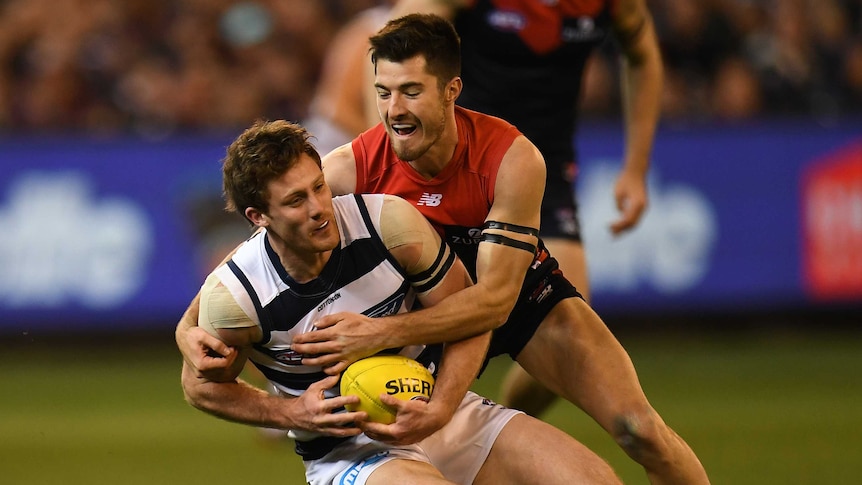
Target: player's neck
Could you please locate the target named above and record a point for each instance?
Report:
(303, 265)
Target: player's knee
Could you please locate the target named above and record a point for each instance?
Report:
(643, 435)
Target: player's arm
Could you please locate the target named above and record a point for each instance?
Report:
(435, 272)
(642, 74)
(241, 402)
(203, 354)
(504, 255)
(339, 170)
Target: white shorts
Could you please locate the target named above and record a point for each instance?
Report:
(458, 450)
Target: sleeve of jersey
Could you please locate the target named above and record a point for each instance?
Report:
(219, 309)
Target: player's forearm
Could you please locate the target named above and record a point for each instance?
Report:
(642, 86)
(467, 313)
(459, 367)
(236, 401)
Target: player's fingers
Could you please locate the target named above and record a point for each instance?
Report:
(324, 360)
(326, 383)
(375, 430)
(335, 403)
(622, 224)
(631, 212)
(212, 345)
(392, 401)
(337, 368)
(313, 336)
(218, 359)
(327, 321)
(352, 419)
(340, 427)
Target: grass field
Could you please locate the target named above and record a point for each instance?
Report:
(774, 407)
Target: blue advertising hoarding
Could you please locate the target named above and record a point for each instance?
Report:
(119, 233)
(727, 220)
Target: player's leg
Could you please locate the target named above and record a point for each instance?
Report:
(406, 471)
(529, 451)
(575, 355)
(519, 389)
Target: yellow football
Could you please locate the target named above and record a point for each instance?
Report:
(396, 375)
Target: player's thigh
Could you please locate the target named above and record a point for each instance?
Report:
(571, 257)
(406, 471)
(575, 355)
(529, 451)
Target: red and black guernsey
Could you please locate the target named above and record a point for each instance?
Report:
(458, 199)
(531, 53)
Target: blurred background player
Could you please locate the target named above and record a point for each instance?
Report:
(336, 113)
(524, 61)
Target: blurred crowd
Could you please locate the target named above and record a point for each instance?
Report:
(155, 67)
(741, 59)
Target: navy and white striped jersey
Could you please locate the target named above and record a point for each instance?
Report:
(361, 276)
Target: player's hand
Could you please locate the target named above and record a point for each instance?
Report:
(313, 411)
(415, 420)
(208, 357)
(340, 340)
(630, 194)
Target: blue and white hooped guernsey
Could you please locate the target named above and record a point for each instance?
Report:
(360, 270)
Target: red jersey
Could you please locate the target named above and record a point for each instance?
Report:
(533, 52)
(458, 199)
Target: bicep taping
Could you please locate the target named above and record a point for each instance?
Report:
(495, 238)
(505, 226)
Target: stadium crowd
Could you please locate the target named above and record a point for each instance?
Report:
(155, 67)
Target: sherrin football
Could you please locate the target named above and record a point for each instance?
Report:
(396, 375)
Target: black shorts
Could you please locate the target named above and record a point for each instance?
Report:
(559, 207)
(544, 287)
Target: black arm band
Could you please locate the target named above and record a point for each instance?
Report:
(441, 271)
(424, 275)
(505, 226)
(507, 241)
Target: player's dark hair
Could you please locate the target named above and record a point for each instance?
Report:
(430, 36)
(259, 155)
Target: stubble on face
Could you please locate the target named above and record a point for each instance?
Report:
(412, 148)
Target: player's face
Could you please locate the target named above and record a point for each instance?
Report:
(410, 105)
(300, 210)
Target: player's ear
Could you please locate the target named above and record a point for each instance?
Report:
(256, 217)
(453, 89)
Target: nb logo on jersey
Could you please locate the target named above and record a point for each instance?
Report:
(430, 200)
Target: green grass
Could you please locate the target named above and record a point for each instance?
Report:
(757, 408)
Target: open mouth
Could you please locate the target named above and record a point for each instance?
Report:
(403, 129)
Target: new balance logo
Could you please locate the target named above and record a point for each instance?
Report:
(431, 200)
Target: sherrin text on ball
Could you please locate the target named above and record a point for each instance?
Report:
(396, 375)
